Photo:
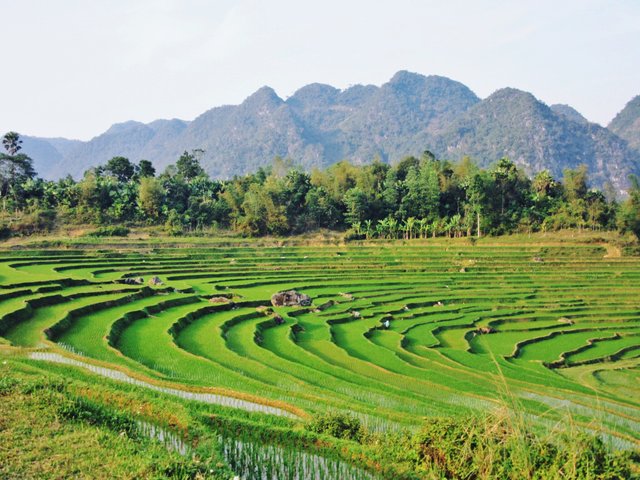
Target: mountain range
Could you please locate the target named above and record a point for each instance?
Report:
(320, 125)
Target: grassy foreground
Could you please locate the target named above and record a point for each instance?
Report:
(61, 424)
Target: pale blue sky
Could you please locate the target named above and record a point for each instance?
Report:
(78, 66)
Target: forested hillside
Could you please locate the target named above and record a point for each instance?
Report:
(419, 197)
(320, 125)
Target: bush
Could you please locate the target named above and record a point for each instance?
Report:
(7, 385)
(114, 231)
(40, 221)
(493, 447)
(352, 235)
(5, 232)
(338, 425)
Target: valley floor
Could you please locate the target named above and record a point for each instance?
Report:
(543, 329)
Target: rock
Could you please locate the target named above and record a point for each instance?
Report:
(155, 281)
(218, 300)
(348, 296)
(133, 281)
(355, 314)
(290, 298)
(278, 319)
(325, 305)
(485, 330)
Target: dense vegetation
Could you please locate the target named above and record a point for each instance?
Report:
(418, 197)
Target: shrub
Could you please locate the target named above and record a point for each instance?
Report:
(114, 231)
(338, 425)
(7, 384)
(5, 232)
(40, 221)
(352, 235)
(493, 447)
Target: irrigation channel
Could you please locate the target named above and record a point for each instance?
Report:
(197, 397)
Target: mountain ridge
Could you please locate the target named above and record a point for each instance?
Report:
(626, 123)
(319, 125)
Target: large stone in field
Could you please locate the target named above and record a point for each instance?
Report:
(290, 298)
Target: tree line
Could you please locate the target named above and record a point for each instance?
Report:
(417, 197)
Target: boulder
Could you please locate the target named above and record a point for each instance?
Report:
(218, 300)
(155, 281)
(133, 281)
(485, 330)
(290, 298)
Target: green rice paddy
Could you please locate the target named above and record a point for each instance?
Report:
(552, 330)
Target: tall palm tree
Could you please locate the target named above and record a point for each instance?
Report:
(435, 228)
(392, 225)
(423, 227)
(455, 224)
(381, 228)
(368, 231)
(409, 224)
(12, 143)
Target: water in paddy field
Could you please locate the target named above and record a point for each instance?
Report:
(257, 461)
(198, 397)
(169, 439)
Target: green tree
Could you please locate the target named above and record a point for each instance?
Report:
(575, 183)
(146, 169)
(357, 206)
(120, 168)
(12, 143)
(15, 169)
(422, 197)
(477, 190)
(510, 195)
(260, 214)
(188, 165)
(322, 210)
(151, 198)
(630, 210)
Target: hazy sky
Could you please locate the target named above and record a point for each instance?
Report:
(73, 67)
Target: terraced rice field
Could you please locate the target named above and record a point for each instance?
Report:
(552, 331)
